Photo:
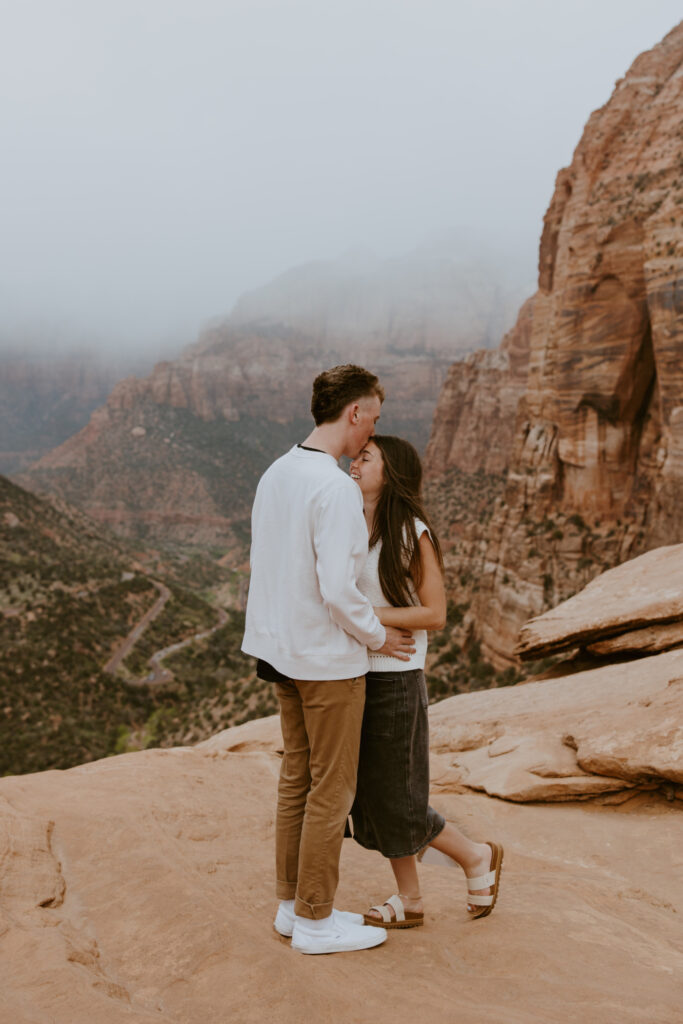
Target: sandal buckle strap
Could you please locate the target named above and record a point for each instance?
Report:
(397, 904)
(482, 881)
(479, 901)
(383, 913)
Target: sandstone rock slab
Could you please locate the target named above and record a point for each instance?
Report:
(610, 729)
(643, 591)
(650, 639)
(640, 741)
(531, 768)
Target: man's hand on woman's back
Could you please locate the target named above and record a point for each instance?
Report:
(399, 643)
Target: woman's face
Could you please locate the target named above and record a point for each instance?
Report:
(368, 471)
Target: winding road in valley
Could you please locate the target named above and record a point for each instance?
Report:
(158, 675)
(124, 649)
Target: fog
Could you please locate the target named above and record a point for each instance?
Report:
(159, 157)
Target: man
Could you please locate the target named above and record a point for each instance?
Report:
(310, 627)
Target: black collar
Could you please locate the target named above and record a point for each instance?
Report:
(305, 448)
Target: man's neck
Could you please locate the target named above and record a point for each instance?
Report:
(326, 438)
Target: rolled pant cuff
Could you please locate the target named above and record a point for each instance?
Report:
(313, 911)
(285, 890)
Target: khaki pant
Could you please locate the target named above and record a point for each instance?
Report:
(321, 724)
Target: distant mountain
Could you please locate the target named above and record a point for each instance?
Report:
(446, 298)
(176, 455)
(47, 396)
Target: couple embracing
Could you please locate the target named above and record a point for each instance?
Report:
(346, 578)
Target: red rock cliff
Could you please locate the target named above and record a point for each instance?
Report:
(596, 462)
(483, 389)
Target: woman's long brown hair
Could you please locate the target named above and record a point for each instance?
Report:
(399, 505)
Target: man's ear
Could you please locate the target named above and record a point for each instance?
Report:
(353, 412)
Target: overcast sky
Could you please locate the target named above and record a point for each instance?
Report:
(159, 157)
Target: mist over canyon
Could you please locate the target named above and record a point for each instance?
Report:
(47, 395)
(176, 455)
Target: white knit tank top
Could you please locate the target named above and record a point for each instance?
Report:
(369, 585)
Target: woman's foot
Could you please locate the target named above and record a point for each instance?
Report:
(413, 905)
(479, 864)
(483, 889)
(399, 912)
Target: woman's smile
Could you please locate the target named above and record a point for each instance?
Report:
(368, 470)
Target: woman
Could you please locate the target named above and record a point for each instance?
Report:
(403, 578)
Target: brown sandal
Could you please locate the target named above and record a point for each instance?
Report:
(491, 879)
(400, 918)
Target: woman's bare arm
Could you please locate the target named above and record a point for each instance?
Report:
(430, 613)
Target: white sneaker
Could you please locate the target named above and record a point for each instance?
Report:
(339, 937)
(284, 919)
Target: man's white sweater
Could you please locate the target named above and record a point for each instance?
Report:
(305, 614)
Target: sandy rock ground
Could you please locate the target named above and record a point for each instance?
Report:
(139, 889)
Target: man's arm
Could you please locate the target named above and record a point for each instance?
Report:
(340, 539)
(341, 543)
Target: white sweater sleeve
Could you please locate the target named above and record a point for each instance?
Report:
(341, 546)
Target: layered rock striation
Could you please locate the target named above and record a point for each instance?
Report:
(594, 465)
(610, 729)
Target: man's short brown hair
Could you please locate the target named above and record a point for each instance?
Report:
(334, 389)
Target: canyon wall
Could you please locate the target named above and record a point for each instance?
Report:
(593, 468)
(483, 391)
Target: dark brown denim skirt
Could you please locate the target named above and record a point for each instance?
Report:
(391, 811)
